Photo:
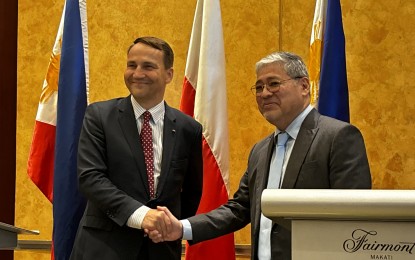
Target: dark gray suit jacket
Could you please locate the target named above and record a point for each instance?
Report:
(327, 154)
(113, 178)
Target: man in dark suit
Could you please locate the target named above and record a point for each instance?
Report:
(321, 153)
(114, 167)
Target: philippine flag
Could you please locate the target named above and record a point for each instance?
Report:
(52, 159)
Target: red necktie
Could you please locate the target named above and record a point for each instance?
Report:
(147, 143)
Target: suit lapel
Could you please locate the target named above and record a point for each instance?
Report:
(261, 179)
(129, 128)
(308, 131)
(169, 139)
(264, 162)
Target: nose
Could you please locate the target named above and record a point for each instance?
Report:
(265, 92)
(138, 72)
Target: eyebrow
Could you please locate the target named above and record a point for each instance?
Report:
(269, 78)
(150, 63)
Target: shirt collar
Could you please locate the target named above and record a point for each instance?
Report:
(295, 125)
(157, 112)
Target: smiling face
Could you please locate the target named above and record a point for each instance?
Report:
(283, 106)
(146, 76)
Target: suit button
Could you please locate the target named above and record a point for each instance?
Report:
(275, 229)
(109, 214)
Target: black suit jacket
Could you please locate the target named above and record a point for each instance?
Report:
(113, 178)
(327, 154)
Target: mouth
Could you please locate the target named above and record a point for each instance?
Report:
(139, 82)
(269, 105)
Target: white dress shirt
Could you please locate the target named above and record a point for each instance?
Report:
(156, 123)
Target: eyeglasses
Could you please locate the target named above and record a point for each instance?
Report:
(272, 86)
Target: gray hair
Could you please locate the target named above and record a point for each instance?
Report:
(292, 63)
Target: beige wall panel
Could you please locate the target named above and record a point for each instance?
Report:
(379, 47)
(379, 51)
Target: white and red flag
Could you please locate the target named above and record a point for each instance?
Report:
(204, 98)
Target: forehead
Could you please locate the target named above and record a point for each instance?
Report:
(271, 70)
(146, 52)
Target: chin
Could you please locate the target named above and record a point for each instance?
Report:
(271, 116)
(137, 95)
(137, 91)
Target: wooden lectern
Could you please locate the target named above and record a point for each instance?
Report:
(8, 235)
(345, 224)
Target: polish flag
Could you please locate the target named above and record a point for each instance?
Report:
(204, 98)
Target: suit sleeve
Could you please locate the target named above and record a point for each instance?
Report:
(349, 167)
(92, 171)
(230, 217)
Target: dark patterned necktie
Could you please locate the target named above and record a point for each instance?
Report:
(147, 143)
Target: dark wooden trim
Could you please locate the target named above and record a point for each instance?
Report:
(45, 245)
(8, 106)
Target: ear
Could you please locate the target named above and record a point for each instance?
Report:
(305, 85)
(169, 75)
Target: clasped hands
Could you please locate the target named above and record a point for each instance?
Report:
(161, 225)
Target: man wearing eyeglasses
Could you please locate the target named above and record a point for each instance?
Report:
(317, 152)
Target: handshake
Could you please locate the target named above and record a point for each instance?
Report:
(161, 225)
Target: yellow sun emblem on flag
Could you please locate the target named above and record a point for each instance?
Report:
(315, 63)
(52, 78)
